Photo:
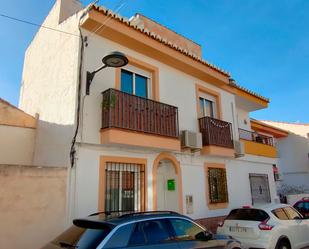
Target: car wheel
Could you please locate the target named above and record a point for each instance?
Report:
(283, 245)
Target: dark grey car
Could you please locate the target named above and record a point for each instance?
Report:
(147, 230)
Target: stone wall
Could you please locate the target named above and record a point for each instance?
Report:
(32, 205)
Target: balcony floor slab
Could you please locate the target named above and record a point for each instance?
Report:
(212, 150)
(125, 137)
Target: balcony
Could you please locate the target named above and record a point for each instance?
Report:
(258, 144)
(216, 136)
(132, 120)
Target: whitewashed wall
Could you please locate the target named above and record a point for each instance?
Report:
(49, 88)
(293, 153)
(243, 119)
(49, 85)
(170, 79)
(193, 179)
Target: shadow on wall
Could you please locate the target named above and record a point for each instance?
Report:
(53, 143)
(293, 153)
(32, 205)
(294, 164)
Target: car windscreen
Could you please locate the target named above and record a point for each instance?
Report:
(81, 238)
(249, 214)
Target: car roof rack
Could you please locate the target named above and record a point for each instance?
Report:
(128, 213)
(147, 213)
(107, 213)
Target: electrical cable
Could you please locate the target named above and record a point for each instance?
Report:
(117, 9)
(119, 6)
(72, 150)
(35, 24)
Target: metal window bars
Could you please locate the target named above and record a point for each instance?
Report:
(218, 192)
(124, 187)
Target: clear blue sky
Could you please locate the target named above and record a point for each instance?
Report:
(263, 44)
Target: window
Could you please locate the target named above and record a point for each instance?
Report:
(206, 108)
(186, 230)
(207, 105)
(247, 214)
(291, 213)
(217, 185)
(300, 205)
(124, 187)
(280, 214)
(81, 237)
(303, 207)
(150, 232)
(286, 213)
(136, 83)
(120, 238)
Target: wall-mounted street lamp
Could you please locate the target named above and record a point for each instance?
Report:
(114, 59)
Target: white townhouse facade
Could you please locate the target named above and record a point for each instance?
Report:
(293, 153)
(137, 145)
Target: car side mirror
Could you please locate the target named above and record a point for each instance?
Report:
(204, 236)
(297, 218)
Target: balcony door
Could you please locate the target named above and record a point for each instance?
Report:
(207, 106)
(136, 82)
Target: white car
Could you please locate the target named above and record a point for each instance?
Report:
(272, 226)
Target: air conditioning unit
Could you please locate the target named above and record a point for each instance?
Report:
(192, 140)
(239, 148)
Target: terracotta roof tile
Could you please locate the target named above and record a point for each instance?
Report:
(158, 38)
(232, 83)
(124, 20)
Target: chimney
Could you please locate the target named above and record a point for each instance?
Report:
(68, 8)
(171, 36)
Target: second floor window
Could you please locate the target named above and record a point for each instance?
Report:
(207, 106)
(135, 83)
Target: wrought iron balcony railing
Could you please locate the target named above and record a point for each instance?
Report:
(130, 112)
(256, 137)
(216, 132)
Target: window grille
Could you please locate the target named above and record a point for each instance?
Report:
(124, 187)
(217, 185)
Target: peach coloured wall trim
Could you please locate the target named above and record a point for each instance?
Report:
(201, 89)
(260, 126)
(122, 136)
(259, 149)
(123, 34)
(217, 151)
(118, 159)
(212, 206)
(147, 67)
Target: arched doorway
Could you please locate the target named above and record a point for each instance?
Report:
(167, 183)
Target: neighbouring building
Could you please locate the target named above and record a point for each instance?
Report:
(168, 131)
(31, 196)
(293, 155)
(17, 133)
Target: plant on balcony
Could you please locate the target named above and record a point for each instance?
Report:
(109, 102)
